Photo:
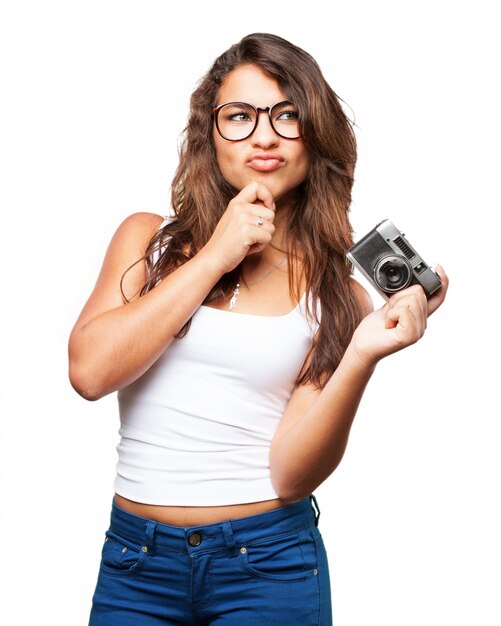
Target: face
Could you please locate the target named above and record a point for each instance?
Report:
(280, 164)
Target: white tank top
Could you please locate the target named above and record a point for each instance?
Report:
(197, 427)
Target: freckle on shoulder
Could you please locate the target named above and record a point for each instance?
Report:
(142, 223)
(146, 219)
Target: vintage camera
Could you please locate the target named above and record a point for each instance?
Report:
(390, 263)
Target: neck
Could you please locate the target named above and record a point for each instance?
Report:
(284, 205)
(280, 222)
(256, 264)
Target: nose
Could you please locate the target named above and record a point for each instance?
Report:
(264, 135)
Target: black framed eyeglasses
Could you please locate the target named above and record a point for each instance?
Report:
(238, 120)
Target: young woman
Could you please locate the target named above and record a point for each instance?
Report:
(240, 347)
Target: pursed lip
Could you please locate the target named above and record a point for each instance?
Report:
(265, 161)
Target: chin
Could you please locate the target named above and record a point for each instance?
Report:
(278, 190)
(281, 192)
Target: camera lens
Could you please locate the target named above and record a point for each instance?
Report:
(392, 273)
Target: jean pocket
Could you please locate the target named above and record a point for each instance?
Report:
(284, 558)
(121, 557)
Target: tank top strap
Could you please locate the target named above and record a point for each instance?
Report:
(314, 307)
(167, 220)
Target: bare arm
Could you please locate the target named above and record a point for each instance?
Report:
(313, 433)
(113, 343)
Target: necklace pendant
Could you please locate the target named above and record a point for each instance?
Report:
(233, 301)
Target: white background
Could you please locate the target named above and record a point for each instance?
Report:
(95, 94)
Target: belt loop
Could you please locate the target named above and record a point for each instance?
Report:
(150, 537)
(315, 507)
(229, 537)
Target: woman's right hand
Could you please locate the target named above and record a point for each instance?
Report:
(238, 232)
(112, 344)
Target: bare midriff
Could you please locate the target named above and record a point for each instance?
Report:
(197, 515)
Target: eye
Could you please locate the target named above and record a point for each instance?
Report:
(289, 114)
(237, 114)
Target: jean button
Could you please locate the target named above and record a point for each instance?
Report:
(195, 539)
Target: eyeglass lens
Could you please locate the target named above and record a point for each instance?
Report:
(238, 120)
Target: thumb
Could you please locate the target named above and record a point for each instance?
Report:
(389, 320)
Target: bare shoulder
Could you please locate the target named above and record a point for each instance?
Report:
(153, 220)
(141, 222)
(132, 236)
(363, 297)
(129, 243)
(122, 271)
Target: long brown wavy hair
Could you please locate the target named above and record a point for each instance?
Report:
(318, 223)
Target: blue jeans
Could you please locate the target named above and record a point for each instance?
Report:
(259, 570)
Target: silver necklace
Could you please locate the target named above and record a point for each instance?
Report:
(236, 291)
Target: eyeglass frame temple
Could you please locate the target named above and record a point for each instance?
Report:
(215, 115)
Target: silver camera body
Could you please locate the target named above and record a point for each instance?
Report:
(390, 263)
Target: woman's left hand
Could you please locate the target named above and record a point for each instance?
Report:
(401, 322)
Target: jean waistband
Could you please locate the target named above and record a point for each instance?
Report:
(226, 534)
